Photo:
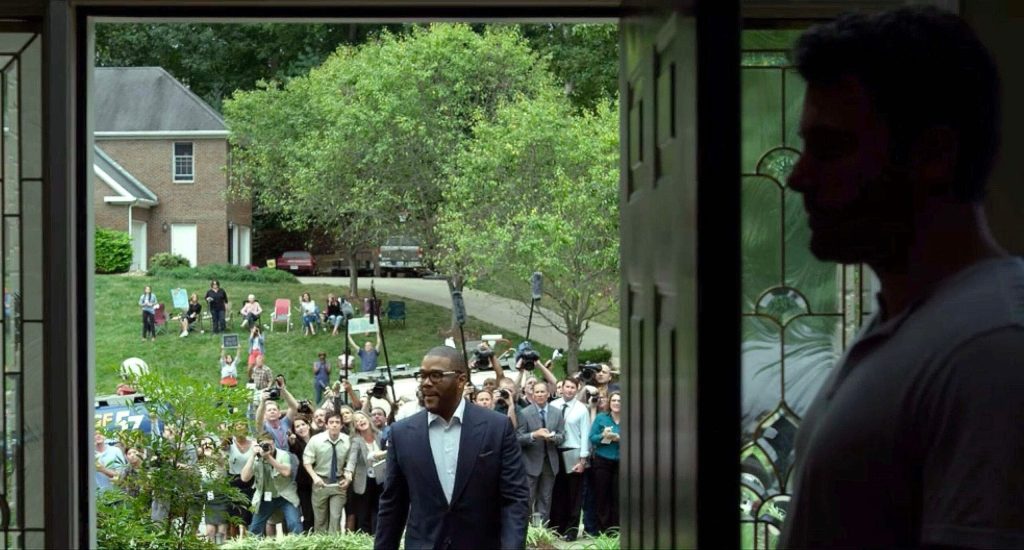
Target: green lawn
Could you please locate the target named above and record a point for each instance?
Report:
(118, 332)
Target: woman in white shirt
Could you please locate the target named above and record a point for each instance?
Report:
(310, 314)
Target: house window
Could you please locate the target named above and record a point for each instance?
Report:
(184, 165)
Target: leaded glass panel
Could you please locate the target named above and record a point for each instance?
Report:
(798, 313)
(22, 516)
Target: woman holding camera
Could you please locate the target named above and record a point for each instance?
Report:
(257, 345)
(604, 436)
(334, 315)
(368, 472)
(297, 441)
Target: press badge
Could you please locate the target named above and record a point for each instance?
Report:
(209, 495)
(268, 496)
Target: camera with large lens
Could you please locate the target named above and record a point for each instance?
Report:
(305, 407)
(588, 372)
(504, 394)
(527, 355)
(482, 357)
(379, 389)
(267, 447)
(275, 393)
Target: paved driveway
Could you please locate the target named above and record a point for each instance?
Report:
(489, 308)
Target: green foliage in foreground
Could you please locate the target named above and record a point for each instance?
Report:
(536, 538)
(118, 331)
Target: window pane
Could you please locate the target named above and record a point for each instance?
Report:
(183, 149)
(12, 133)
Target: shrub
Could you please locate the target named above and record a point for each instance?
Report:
(225, 272)
(113, 251)
(166, 260)
(348, 540)
(595, 355)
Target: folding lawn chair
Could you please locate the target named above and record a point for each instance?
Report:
(282, 312)
(160, 316)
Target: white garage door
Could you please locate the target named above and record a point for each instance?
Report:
(183, 241)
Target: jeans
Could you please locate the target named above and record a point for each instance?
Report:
(267, 509)
(218, 320)
(148, 324)
(335, 320)
(308, 321)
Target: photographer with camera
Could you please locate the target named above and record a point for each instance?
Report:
(327, 459)
(567, 496)
(275, 489)
(257, 345)
(268, 415)
(484, 358)
(335, 396)
(505, 400)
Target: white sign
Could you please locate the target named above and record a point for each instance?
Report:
(361, 325)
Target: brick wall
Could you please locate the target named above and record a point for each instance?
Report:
(201, 202)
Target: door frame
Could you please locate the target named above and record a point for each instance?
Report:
(195, 243)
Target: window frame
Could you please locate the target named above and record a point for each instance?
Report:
(174, 162)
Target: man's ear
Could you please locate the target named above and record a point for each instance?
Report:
(933, 160)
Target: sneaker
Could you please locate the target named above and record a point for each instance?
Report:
(183, 334)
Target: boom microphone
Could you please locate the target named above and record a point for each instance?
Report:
(536, 285)
(458, 307)
(373, 302)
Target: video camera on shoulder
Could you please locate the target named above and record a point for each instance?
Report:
(380, 389)
(588, 372)
(528, 356)
(482, 357)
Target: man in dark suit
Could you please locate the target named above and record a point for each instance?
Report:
(541, 432)
(432, 457)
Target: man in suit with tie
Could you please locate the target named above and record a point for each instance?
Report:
(541, 433)
(433, 455)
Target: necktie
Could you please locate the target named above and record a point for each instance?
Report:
(333, 477)
(543, 419)
(564, 407)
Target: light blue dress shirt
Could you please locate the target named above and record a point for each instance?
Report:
(444, 445)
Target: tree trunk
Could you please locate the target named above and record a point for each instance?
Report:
(573, 339)
(376, 263)
(353, 276)
(455, 282)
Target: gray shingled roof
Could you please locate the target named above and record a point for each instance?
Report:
(123, 178)
(136, 99)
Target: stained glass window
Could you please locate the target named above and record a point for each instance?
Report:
(799, 313)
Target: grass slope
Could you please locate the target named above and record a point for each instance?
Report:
(118, 331)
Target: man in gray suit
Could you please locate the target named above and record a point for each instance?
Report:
(541, 432)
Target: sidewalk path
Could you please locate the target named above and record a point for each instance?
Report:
(498, 311)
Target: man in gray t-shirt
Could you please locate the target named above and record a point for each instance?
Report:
(917, 436)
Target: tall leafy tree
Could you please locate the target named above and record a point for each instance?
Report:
(537, 189)
(214, 60)
(361, 142)
(583, 57)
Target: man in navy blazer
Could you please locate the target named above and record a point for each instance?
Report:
(455, 475)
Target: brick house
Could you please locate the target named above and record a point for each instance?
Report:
(160, 170)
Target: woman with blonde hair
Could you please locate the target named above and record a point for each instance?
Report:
(367, 455)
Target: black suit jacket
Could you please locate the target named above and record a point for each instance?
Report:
(490, 501)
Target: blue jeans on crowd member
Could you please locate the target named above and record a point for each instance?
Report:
(267, 509)
(309, 320)
(335, 320)
(217, 316)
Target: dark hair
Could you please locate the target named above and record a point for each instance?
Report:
(334, 414)
(922, 67)
(214, 282)
(455, 359)
(572, 379)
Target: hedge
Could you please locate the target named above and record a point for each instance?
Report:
(225, 272)
(113, 251)
(166, 260)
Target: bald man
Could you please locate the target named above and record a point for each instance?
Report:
(432, 457)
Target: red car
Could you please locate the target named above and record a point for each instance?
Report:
(298, 262)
